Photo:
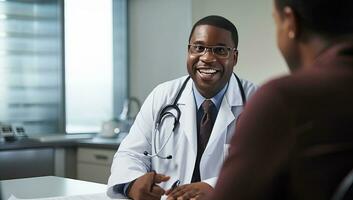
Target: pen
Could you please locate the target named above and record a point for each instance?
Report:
(175, 184)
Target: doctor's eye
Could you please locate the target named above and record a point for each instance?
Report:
(196, 49)
(222, 51)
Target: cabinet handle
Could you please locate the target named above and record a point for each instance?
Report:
(101, 157)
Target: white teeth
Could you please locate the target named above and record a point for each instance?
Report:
(208, 71)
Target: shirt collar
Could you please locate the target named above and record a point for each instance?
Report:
(217, 99)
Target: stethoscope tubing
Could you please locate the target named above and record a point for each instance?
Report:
(165, 112)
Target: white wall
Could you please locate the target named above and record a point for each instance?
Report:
(159, 31)
(158, 34)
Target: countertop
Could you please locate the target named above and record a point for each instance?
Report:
(48, 187)
(64, 140)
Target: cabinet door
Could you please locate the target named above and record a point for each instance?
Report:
(26, 163)
(93, 172)
(94, 164)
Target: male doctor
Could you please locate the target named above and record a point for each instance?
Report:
(187, 141)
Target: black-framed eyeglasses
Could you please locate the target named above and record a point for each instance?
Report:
(218, 51)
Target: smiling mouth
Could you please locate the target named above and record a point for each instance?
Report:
(207, 71)
(207, 74)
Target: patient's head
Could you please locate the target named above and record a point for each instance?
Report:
(301, 23)
(325, 17)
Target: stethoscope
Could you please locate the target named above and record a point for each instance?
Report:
(167, 111)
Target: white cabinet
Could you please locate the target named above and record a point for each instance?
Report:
(94, 164)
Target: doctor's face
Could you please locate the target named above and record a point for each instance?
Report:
(211, 59)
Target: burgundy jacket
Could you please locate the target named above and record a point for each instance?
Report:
(294, 139)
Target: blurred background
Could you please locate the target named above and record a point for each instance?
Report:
(71, 69)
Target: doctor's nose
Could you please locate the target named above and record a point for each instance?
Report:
(208, 56)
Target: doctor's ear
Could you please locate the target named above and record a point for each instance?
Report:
(235, 55)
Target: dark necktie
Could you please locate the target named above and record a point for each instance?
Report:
(205, 129)
(206, 123)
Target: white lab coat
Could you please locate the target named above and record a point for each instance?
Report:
(130, 163)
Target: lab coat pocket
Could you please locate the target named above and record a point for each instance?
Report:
(226, 151)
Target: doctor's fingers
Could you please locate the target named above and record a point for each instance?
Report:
(143, 184)
(144, 193)
(154, 193)
(192, 194)
(183, 192)
(199, 197)
(157, 191)
(177, 191)
(158, 178)
(188, 195)
(147, 181)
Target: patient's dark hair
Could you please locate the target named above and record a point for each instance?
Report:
(219, 22)
(327, 17)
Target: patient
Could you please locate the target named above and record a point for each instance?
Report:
(295, 138)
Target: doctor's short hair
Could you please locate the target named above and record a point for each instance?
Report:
(220, 22)
(325, 17)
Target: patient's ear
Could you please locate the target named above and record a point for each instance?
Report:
(290, 22)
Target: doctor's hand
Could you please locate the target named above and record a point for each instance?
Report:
(145, 187)
(193, 191)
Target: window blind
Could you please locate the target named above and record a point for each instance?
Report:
(31, 65)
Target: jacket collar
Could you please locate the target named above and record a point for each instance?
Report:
(225, 116)
(232, 94)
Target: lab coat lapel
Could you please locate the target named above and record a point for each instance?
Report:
(225, 116)
(187, 107)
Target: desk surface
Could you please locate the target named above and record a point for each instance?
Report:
(47, 186)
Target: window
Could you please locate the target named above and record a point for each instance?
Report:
(95, 74)
(36, 90)
(31, 65)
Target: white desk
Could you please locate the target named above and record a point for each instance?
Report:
(47, 186)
